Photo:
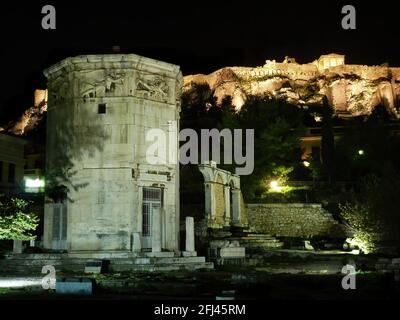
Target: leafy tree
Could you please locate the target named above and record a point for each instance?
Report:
(373, 210)
(278, 126)
(199, 110)
(16, 222)
(328, 143)
(367, 147)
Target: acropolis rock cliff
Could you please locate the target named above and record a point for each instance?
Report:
(352, 90)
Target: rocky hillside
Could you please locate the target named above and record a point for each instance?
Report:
(31, 117)
(352, 90)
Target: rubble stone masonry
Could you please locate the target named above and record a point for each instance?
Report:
(293, 220)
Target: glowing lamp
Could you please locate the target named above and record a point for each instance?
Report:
(317, 118)
(306, 164)
(34, 183)
(274, 185)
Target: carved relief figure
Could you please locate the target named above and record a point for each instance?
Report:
(103, 86)
(59, 90)
(155, 88)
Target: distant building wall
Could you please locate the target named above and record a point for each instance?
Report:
(11, 163)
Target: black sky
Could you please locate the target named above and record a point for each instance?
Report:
(200, 36)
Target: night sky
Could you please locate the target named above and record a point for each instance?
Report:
(200, 36)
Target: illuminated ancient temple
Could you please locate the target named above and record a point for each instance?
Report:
(104, 196)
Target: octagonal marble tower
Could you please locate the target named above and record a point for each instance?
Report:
(103, 195)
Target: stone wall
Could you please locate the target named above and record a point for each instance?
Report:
(293, 220)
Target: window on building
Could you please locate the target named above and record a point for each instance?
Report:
(11, 173)
(102, 108)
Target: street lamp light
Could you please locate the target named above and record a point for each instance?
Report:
(274, 185)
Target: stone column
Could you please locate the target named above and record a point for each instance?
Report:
(156, 231)
(137, 242)
(210, 202)
(17, 247)
(236, 206)
(189, 248)
(227, 196)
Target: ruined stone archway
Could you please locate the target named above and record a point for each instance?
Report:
(223, 197)
(220, 202)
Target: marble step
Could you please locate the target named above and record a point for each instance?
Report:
(259, 236)
(89, 255)
(264, 245)
(274, 244)
(36, 268)
(165, 267)
(258, 240)
(79, 264)
(158, 261)
(253, 236)
(130, 261)
(38, 262)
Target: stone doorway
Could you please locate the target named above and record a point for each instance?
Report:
(152, 200)
(60, 226)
